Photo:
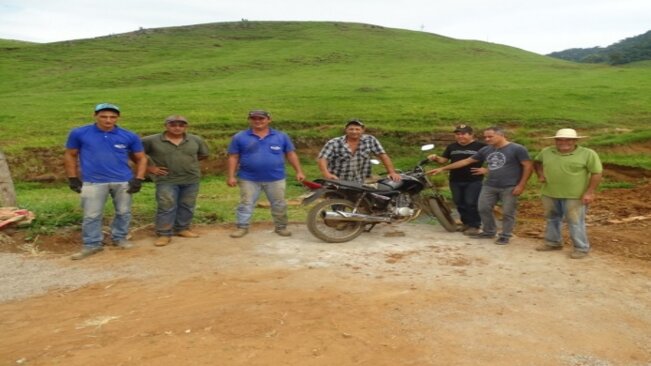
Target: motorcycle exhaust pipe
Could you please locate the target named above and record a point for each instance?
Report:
(349, 216)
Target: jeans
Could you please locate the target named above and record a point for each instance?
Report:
(466, 196)
(176, 203)
(93, 200)
(573, 210)
(249, 193)
(488, 198)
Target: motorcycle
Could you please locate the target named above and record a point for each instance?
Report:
(350, 208)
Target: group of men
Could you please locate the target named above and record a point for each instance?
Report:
(97, 161)
(570, 175)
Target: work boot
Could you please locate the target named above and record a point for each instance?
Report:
(123, 244)
(86, 252)
(282, 231)
(548, 248)
(502, 240)
(483, 235)
(577, 254)
(240, 232)
(471, 231)
(187, 234)
(162, 241)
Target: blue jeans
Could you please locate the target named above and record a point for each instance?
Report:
(93, 200)
(466, 197)
(573, 210)
(488, 198)
(249, 193)
(176, 204)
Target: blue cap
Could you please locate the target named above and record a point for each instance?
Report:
(105, 106)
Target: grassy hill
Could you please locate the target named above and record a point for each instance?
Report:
(308, 74)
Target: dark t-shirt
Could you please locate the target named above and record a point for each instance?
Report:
(456, 152)
(504, 164)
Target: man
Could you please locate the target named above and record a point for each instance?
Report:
(349, 157)
(509, 168)
(570, 175)
(102, 150)
(260, 154)
(174, 162)
(466, 182)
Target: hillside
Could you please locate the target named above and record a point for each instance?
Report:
(312, 76)
(629, 50)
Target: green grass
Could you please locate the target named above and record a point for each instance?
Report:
(410, 87)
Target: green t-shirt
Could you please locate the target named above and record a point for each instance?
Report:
(567, 175)
(181, 161)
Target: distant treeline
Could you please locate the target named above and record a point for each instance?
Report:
(632, 49)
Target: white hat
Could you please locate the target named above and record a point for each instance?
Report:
(566, 133)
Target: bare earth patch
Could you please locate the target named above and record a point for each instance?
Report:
(426, 298)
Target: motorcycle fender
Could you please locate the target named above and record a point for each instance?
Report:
(314, 196)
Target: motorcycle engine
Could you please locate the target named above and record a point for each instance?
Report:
(402, 206)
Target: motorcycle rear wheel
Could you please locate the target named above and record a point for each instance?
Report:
(332, 231)
(443, 213)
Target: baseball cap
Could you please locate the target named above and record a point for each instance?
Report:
(354, 122)
(463, 128)
(107, 106)
(259, 113)
(176, 118)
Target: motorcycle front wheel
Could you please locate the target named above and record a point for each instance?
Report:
(333, 231)
(443, 213)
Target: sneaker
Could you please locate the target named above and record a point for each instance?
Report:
(502, 240)
(577, 254)
(548, 248)
(483, 236)
(240, 232)
(463, 227)
(187, 234)
(162, 241)
(282, 231)
(86, 252)
(472, 231)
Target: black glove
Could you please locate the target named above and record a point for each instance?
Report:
(134, 185)
(75, 184)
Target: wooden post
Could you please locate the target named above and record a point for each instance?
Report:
(7, 192)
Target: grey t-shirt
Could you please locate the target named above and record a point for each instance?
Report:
(504, 164)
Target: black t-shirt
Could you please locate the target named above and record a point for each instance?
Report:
(456, 152)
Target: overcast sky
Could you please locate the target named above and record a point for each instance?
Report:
(540, 26)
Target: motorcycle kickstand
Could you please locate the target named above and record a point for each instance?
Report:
(369, 227)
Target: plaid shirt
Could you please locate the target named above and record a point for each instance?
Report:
(345, 165)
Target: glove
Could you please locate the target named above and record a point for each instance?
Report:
(134, 185)
(75, 184)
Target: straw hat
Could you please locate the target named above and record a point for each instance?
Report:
(566, 133)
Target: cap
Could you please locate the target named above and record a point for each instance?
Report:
(176, 118)
(107, 106)
(354, 122)
(259, 113)
(566, 133)
(463, 128)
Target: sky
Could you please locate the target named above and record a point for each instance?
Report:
(540, 26)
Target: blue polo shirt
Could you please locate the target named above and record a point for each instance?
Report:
(104, 155)
(261, 159)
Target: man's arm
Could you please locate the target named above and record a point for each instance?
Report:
(527, 169)
(231, 168)
(140, 159)
(438, 159)
(588, 195)
(323, 167)
(455, 165)
(538, 168)
(386, 160)
(292, 158)
(70, 161)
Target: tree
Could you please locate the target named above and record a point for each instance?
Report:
(7, 192)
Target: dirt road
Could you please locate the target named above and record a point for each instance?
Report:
(427, 297)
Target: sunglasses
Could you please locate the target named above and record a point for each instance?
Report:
(177, 124)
